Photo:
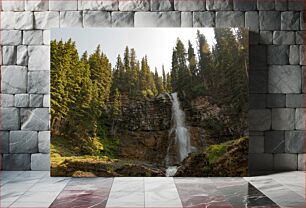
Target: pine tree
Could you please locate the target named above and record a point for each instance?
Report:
(59, 65)
(118, 75)
(84, 57)
(115, 110)
(183, 74)
(65, 81)
(127, 74)
(147, 84)
(158, 82)
(164, 79)
(169, 85)
(79, 121)
(134, 71)
(71, 90)
(243, 40)
(231, 88)
(205, 62)
(174, 71)
(192, 60)
(101, 77)
(138, 83)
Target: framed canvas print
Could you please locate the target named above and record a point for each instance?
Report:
(149, 102)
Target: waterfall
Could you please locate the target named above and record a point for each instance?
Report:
(182, 145)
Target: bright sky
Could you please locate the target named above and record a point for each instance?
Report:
(156, 43)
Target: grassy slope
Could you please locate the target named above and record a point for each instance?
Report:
(67, 160)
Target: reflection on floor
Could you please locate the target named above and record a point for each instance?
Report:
(220, 192)
(37, 189)
(84, 192)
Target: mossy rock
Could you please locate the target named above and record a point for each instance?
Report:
(225, 159)
(139, 171)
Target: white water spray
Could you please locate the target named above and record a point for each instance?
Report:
(181, 140)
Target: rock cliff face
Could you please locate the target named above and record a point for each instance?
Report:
(146, 114)
(144, 128)
(198, 110)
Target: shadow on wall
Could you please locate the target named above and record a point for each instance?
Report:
(276, 116)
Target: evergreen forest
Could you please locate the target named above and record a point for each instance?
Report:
(114, 120)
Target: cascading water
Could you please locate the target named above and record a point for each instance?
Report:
(182, 145)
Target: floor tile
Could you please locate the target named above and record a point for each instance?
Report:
(295, 181)
(50, 184)
(126, 200)
(161, 192)
(228, 182)
(14, 187)
(7, 176)
(29, 175)
(127, 185)
(35, 199)
(84, 192)
(221, 192)
(9, 200)
(187, 190)
(38, 190)
(30, 204)
(38, 196)
(192, 180)
(277, 192)
(10, 174)
(79, 198)
(129, 178)
(11, 191)
(200, 194)
(255, 198)
(98, 185)
(157, 184)
(163, 198)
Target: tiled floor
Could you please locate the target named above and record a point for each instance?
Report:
(36, 189)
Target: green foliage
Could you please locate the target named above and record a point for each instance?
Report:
(79, 95)
(87, 94)
(94, 146)
(101, 77)
(118, 75)
(192, 60)
(159, 83)
(214, 152)
(106, 133)
(110, 147)
(63, 147)
(164, 79)
(116, 105)
(205, 61)
(135, 78)
(147, 84)
(220, 73)
(225, 159)
(181, 74)
(231, 92)
(71, 90)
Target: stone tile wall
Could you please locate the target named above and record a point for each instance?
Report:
(276, 115)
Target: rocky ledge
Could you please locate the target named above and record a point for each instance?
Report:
(226, 159)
